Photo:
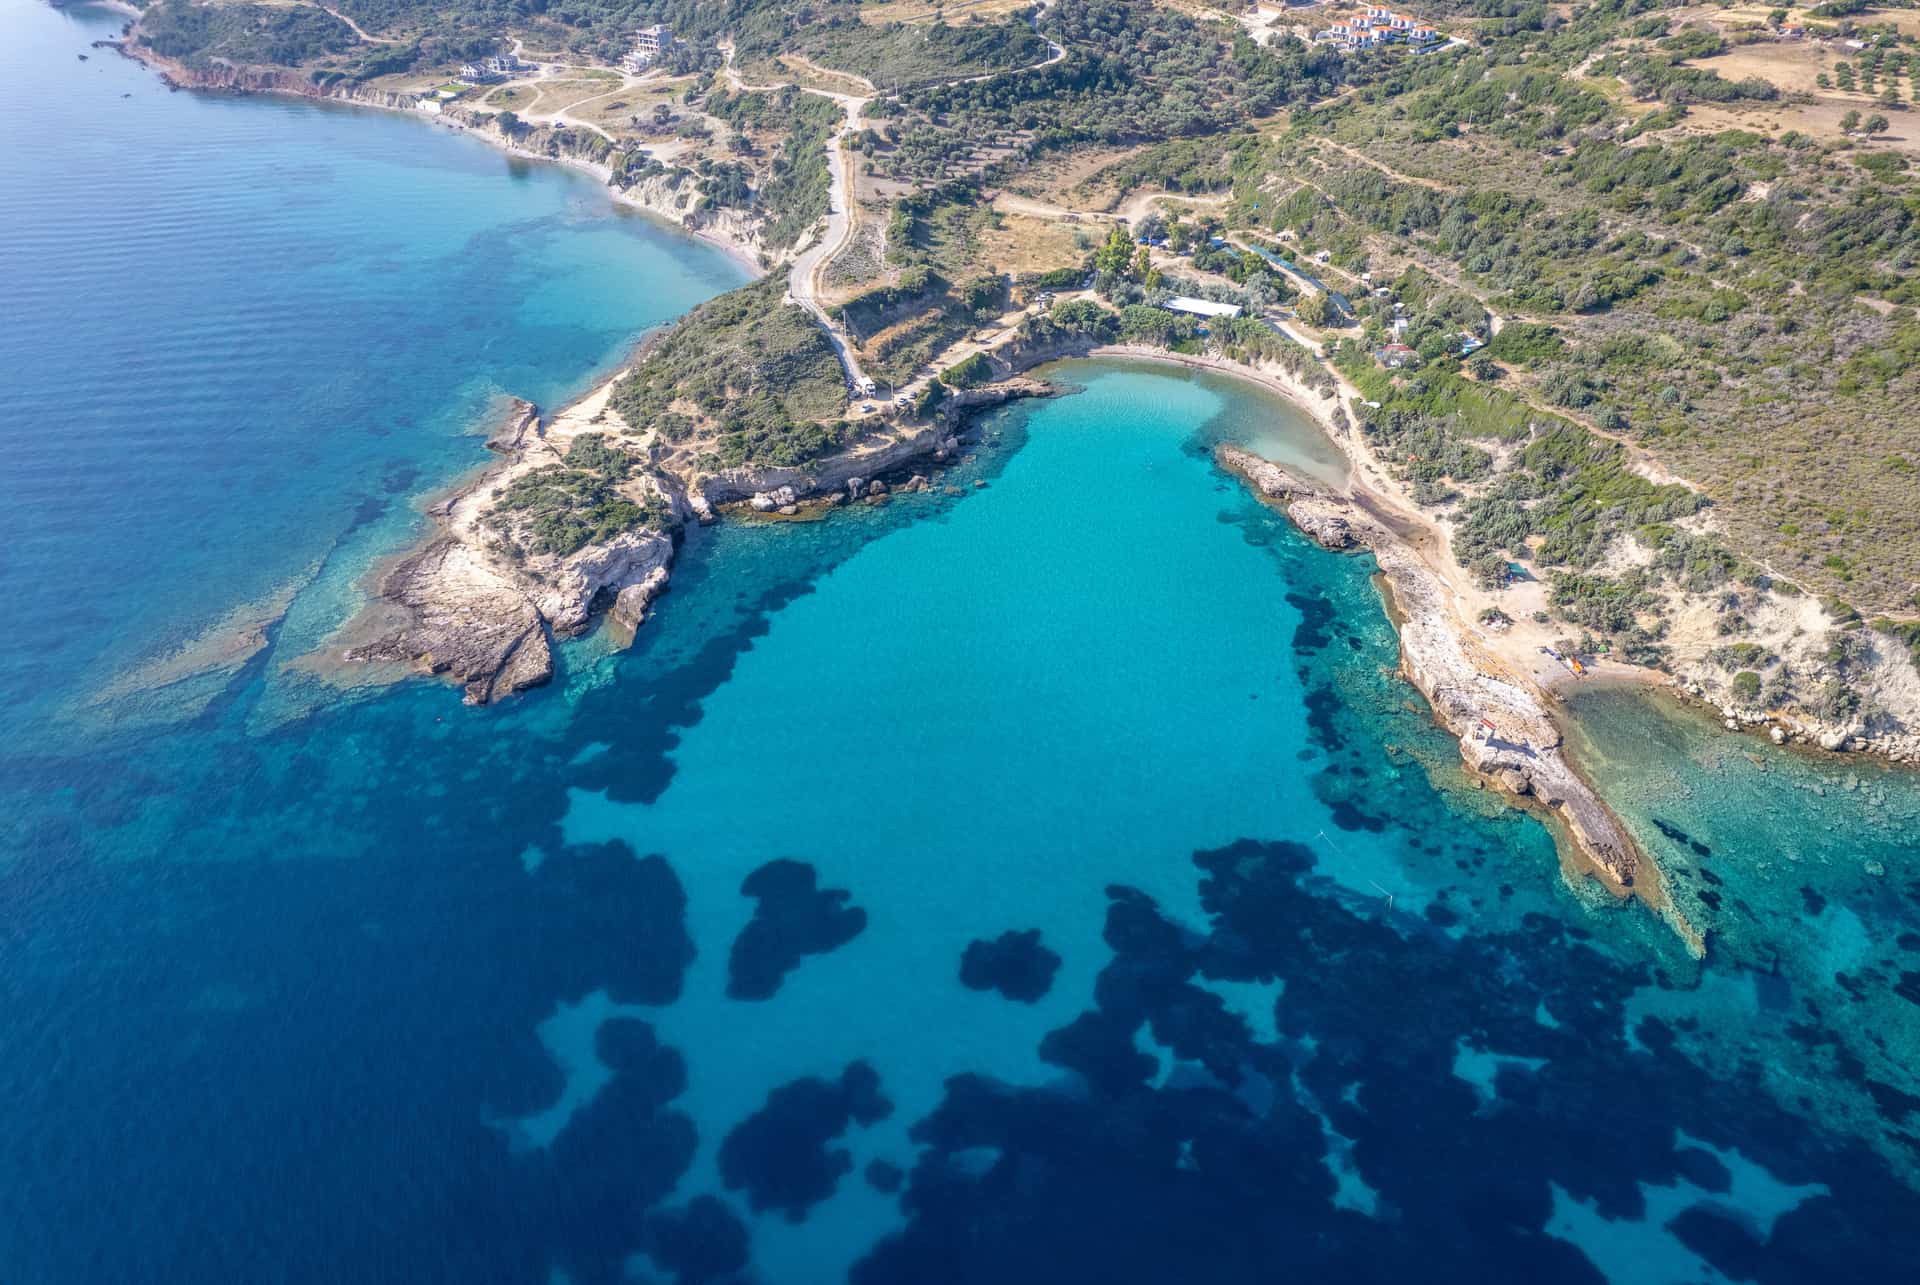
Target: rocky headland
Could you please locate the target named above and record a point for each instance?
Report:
(1508, 738)
(477, 603)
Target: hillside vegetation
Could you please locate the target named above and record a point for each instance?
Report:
(1656, 328)
(747, 372)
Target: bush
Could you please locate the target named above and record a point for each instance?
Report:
(1746, 687)
(970, 373)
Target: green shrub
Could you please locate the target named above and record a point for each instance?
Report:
(969, 373)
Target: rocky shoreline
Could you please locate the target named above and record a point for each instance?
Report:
(464, 607)
(671, 195)
(1507, 736)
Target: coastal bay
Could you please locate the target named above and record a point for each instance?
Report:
(1065, 825)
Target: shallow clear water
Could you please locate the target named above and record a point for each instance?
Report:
(393, 989)
(246, 336)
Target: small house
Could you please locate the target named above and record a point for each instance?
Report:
(1394, 356)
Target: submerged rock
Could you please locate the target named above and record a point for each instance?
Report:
(794, 918)
(780, 1155)
(1014, 964)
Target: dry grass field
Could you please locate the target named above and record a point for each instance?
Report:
(921, 11)
(1021, 243)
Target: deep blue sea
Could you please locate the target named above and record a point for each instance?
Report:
(1048, 881)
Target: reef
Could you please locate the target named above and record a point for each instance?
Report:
(781, 1154)
(794, 919)
(1015, 964)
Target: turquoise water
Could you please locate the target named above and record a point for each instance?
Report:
(1049, 880)
(246, 337)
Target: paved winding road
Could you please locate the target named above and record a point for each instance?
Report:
(803, 277)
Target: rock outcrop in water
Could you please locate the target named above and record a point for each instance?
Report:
(463, 607)
(1507, 737)
(468, 607)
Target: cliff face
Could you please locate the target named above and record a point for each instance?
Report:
(453, 609)
(463, 607)
(675, 197)
(888, 452)
(1506, 735)
(221, 77)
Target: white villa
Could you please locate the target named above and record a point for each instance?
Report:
(1376, 27)
(488, 70)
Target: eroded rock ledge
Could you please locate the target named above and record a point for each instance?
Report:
(466, 606)
(1507, 736)
(463, 607)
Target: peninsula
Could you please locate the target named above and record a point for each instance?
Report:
(1619, 344)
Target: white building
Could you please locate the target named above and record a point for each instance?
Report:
(648, 44)
(489, 70)
(1202, 307)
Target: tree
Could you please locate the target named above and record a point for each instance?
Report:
(1313, 310)
(1876, 124)
(1490, 571)
(1142, 264)
(1849, 121)
(1112, 257)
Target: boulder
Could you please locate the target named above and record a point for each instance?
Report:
(1778, 735)
(1835, 741)
(772, 501)
(630, 605)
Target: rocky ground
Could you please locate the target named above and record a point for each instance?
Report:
(1507, 736)
(466, 607)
